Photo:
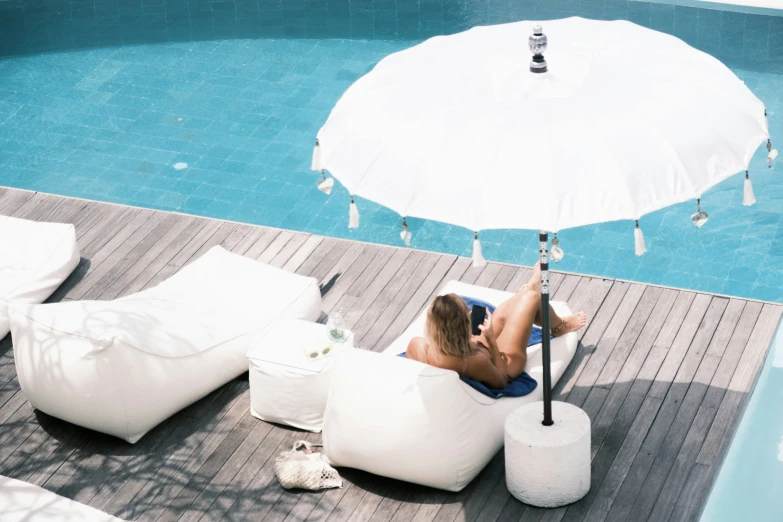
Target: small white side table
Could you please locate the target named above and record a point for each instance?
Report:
(548, 466)
(286, 387)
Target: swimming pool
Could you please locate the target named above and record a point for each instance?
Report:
(748, 486)
(211, 108)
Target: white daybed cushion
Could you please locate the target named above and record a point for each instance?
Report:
(406, 420)
(35, 258)
(121, 367)
(24, 502)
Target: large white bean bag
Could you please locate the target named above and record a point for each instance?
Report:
(121, 367)
(406, 420)
(35, 258)
(24, 502)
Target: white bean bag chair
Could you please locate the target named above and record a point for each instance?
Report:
(406, 420)
(121, 367)
(24, 502)
(35, 258)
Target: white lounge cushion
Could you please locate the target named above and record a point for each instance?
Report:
(24, 502)
(121, 367)
(410, 421)
(35, 258)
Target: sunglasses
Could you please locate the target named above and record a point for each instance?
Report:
(318, 353)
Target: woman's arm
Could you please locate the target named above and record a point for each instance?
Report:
(489, 338)
(481, 368)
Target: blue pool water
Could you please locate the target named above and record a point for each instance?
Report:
(211, 108)
(748, 487)
(111, 100)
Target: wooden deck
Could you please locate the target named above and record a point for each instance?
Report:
(663, 374)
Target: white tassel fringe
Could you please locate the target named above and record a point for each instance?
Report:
(326, 184)
(353, 215)
(478, 258)
(639, 240)
(406, 237)
(771, 157)
(318, 163)
(748, 197)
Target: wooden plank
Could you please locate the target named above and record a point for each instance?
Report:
(675, 416)
(296, 260)
(617, 327)
(130, 263)
(416, 264)
(262, 243)
(149, 494)
(276, 246)
(597, 323)
(116, 250)
(613, 460)
(348, 277)
(272, 444)
(739, 386)
(13, 200)
(189, 250)
(693, 493)
(30, 204)
(665, 309)
(125, 273)
(157, 263)
(254, 233)
(291, 248)
(395, 319)
(212, 464)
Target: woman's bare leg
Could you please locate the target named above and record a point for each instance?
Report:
(510, 308)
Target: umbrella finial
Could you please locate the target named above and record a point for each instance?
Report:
(748, 197)
(478, 257)
(556, 254)
(638, 237)
(405, 235)
(317, 163)
(537, 44)
(699, 218)
(353, 215)
(326, 184)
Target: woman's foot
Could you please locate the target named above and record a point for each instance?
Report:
(570, 323)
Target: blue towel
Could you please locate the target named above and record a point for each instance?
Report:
(519, 387)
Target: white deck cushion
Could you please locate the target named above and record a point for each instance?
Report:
(121, 367)
(410, 421)
(35, 258)
(24, 502)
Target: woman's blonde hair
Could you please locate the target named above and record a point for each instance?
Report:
(448, 325)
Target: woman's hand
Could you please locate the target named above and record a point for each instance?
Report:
(488, 338)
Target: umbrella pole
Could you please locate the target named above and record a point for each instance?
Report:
(543, 238)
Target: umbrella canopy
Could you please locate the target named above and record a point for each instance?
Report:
(457, 129)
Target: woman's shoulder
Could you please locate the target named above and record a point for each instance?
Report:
(416, 349)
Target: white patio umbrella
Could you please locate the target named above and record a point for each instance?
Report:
(464, 129)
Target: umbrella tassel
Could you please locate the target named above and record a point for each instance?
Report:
(556, 254)
(326, 184)
(748, 198)
(478, 257)
(317, 163)
(638, 238)
(405, 235)
(353, 215)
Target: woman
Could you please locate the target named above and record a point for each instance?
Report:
(499, 354)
